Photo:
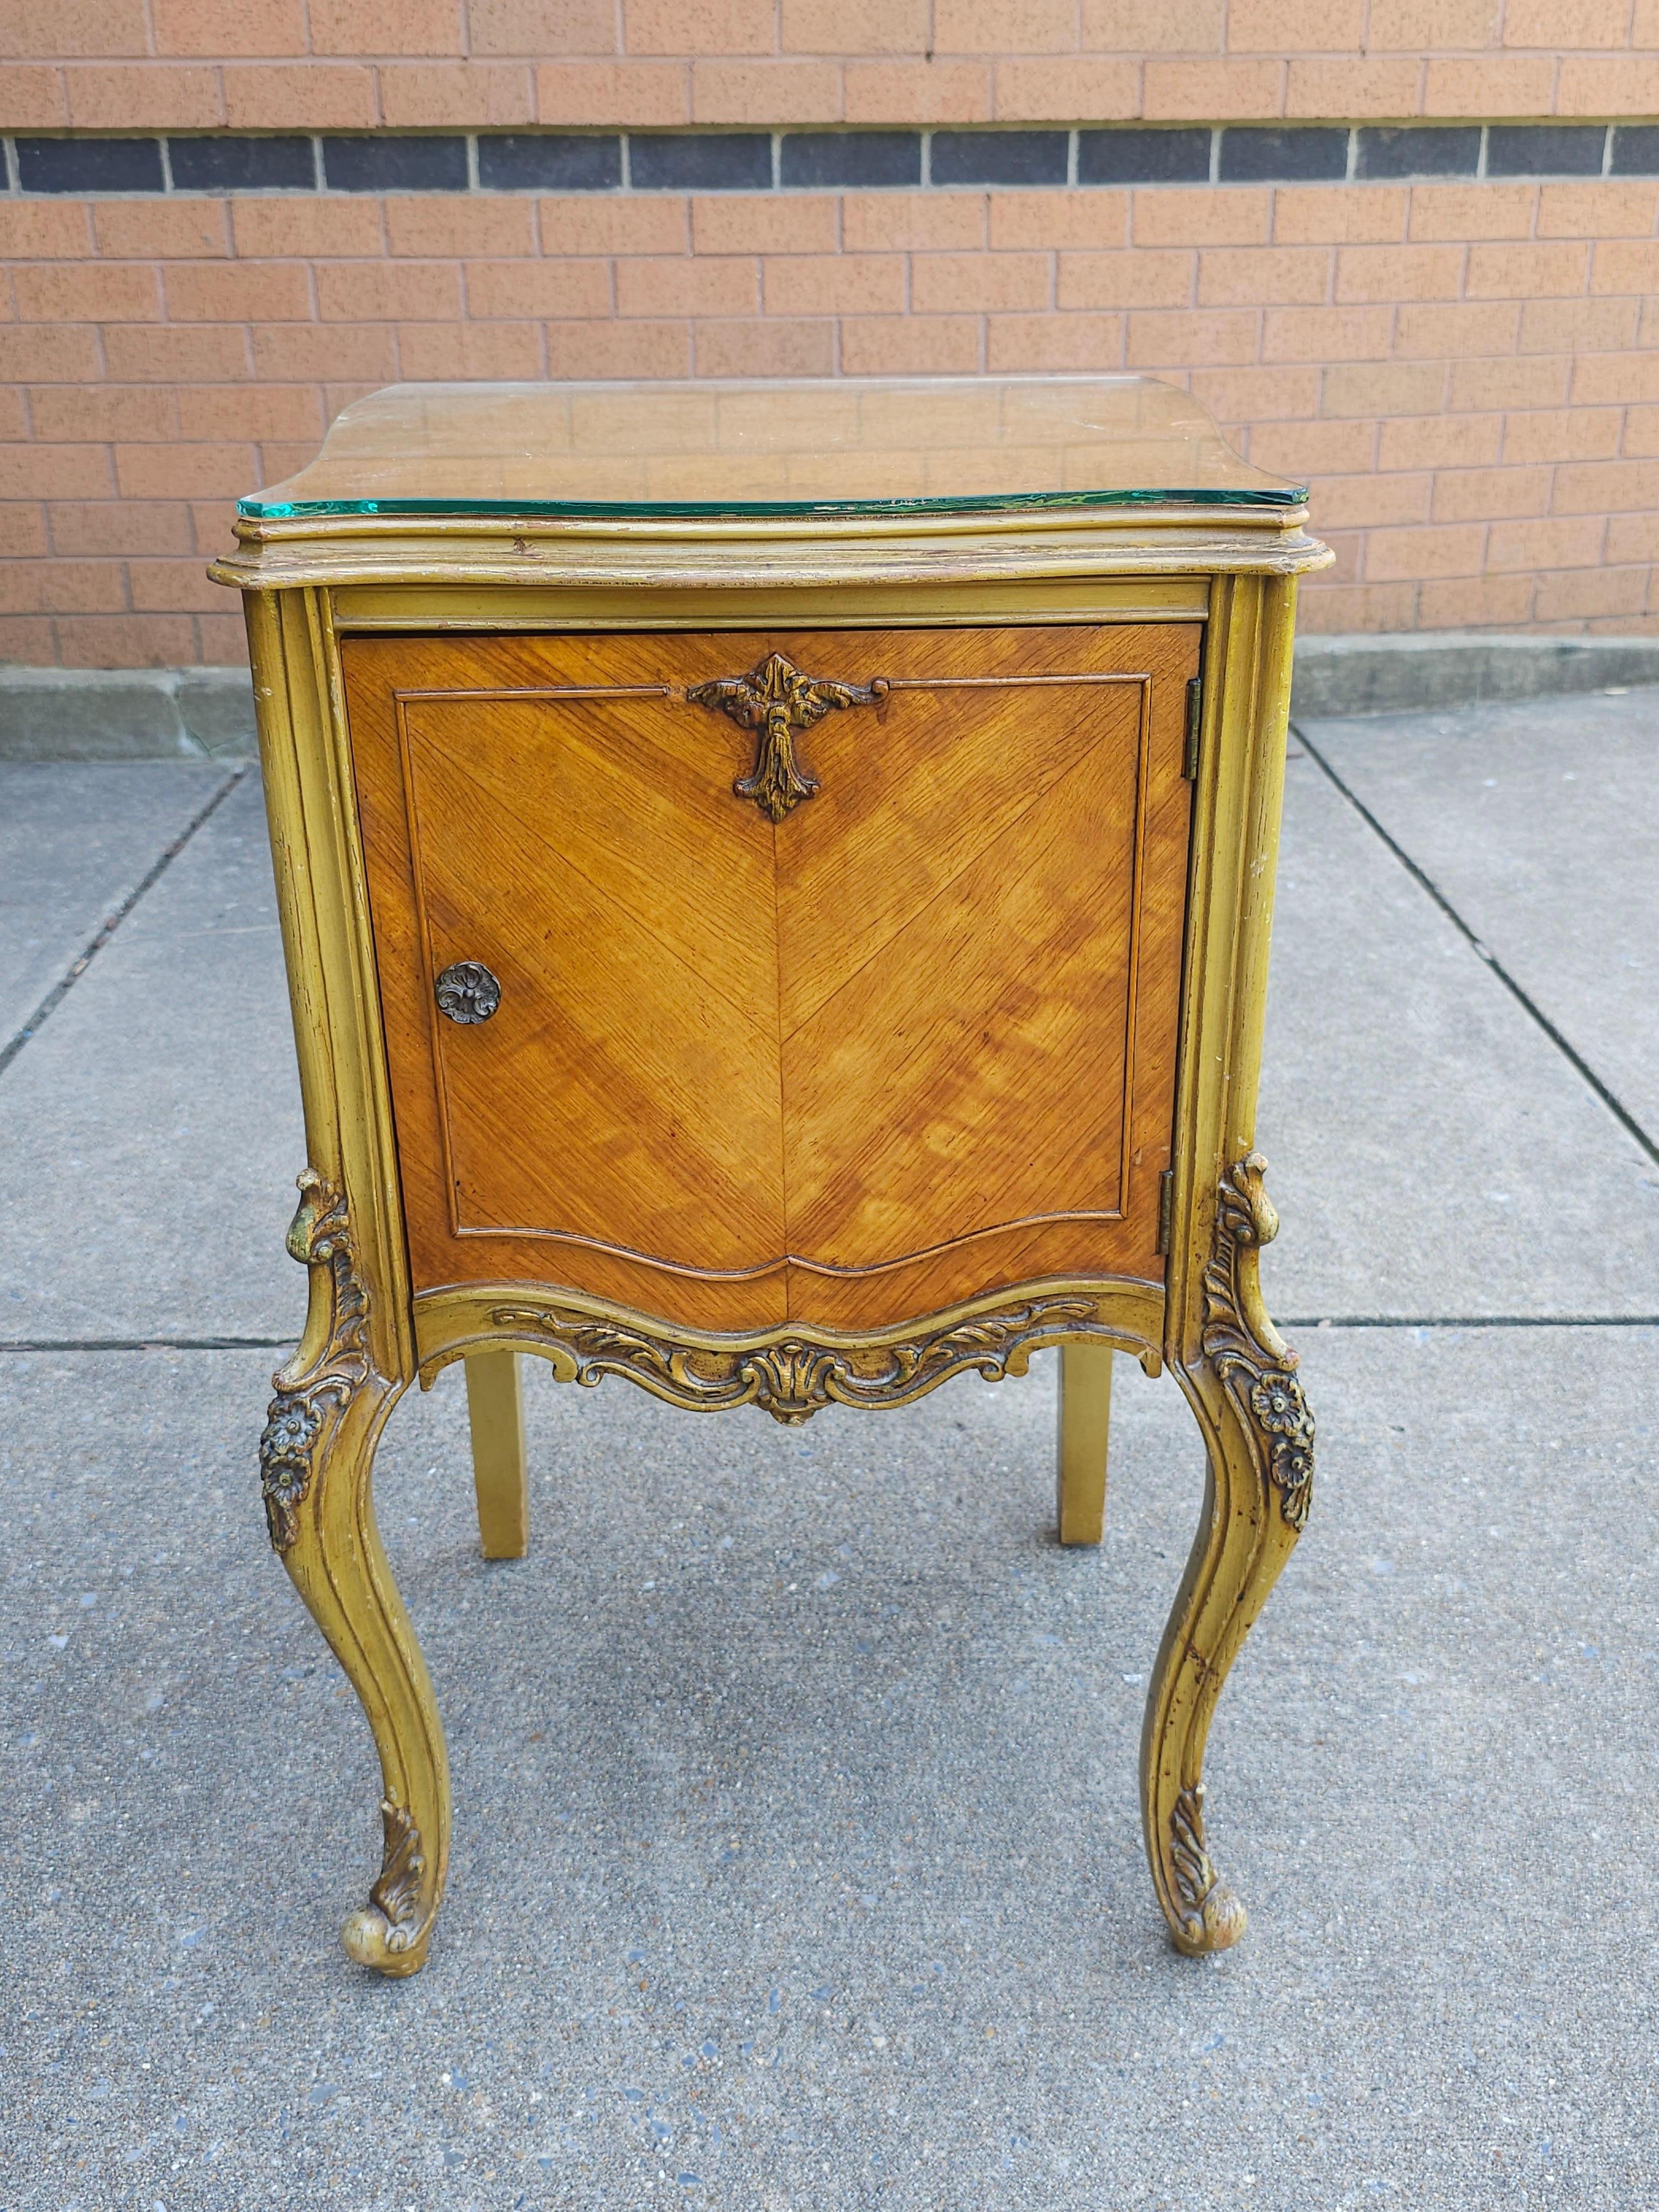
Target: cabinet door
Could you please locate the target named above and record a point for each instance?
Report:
(614, 1125)
(915, 1041)
(980, 930)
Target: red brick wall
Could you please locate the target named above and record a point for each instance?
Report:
(1469, 370)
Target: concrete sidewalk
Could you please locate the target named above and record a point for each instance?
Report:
(797, 1860)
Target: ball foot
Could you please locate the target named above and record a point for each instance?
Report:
(1217, 1927)
(392, 1931)
(372, 1940)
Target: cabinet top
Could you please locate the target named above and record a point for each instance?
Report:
(829, 448)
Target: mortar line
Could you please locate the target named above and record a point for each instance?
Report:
(1621, 1113)
(77, 968)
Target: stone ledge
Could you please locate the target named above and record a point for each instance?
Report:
(1410, 674)
(207, 714)
(126, 713)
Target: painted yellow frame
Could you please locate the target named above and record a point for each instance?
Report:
(366, 1337)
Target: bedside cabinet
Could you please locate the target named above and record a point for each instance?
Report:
(775, 884)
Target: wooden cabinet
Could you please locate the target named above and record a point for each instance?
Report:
(775, 884)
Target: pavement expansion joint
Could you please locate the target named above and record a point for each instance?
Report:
(78, 966)
(1469, 1320)
(148, 1344)
(1621, 1113)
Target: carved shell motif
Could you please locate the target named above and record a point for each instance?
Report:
(795, 1377)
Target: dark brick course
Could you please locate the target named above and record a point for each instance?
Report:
(1433, 150)
(385, 163)
(743, 161)
(1143, 157)
(854, 159)
(1259, 156)
(89, 165)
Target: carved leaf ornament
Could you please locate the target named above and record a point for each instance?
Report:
(309, 1397)
(1211, 1915)
(777, 699)
(1242, 1344)
(795, 1378)
(391, 1923)
(398, 1892)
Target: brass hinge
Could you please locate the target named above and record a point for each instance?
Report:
(1194, 725)
(1165, 1208)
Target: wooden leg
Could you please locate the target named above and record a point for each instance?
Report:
(494, 1405)
(1086, 1422)
(315, 1459)
(1259, 1436)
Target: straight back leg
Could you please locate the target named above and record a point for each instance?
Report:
(1086, 1422)
(494, 1405)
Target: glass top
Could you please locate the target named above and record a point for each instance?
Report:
(835, 447)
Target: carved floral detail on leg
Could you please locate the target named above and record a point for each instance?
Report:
(797, 1376)
(310, 1396)
(391, 1920)
(1244, 1347)
(1212, 1917)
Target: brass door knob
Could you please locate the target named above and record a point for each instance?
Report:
(467, 993)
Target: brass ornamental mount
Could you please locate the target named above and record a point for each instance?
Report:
(777, 698)
(467, 992)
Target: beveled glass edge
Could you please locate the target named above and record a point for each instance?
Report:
(256, 510)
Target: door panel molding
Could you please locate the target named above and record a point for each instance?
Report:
(702, 1278)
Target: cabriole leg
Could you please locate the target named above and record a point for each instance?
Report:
(1259, 1435)
(1086, 1423)
(315, 1459)
(494, 1405)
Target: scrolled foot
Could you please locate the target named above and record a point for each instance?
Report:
(1210, 1918)
(370, 1939)
(391, 1933)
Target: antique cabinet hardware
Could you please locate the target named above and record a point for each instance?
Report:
(777, 698)
(467, 992)
(1194, 729)
(1165, 1209)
